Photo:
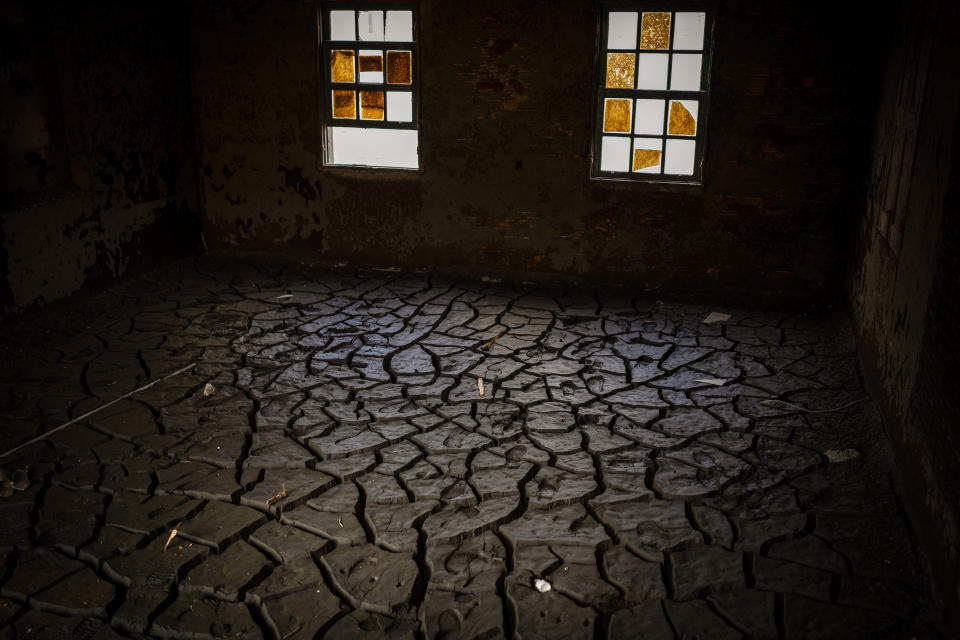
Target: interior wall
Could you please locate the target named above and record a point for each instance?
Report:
(507, 93)
(97, 154)
(904, 285)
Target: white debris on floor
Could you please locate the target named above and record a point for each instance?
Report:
(209, 390)
(716, 316)
(542, 585)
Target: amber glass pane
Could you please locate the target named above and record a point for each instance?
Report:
(341, 66)
(682, 122)
(371, 63)
(616, 116)
(371, 105)
(620, 70)
(399, 67)
(655, 30)
(344, 104)
(643, 158)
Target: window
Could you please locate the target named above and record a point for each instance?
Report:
(653, 68)
(370, 102)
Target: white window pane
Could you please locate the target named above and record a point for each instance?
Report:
(652, 70)
(372, 147)
(649, 118)
(622, 30)
(370, 25)
(680, 156)
(399, 26)
(342, 25)
(685, 72)
(615, 154)
(399, 106)
(647, 155)
(688, 32)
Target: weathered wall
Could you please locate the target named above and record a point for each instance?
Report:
(506, 122)
(904, 285)
(96, 144)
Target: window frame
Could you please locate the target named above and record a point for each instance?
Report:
(325, 44)
(702, 96)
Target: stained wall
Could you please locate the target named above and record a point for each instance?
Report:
(507, 92)
(97, 171)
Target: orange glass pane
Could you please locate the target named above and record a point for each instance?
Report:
(682, 122)
(399, 67)
(655, 30)
(371, 63)
(643, 158)
(371, 105)
(620, 70)
(344, 104)
(616, 116)
(341, 66)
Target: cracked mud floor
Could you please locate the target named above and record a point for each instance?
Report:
(343, 477)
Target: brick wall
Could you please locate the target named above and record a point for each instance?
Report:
(904, 284)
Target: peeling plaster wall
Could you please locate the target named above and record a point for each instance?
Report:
(507, 94)
(904, 286)
(97, 152)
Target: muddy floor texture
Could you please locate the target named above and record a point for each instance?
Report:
(366, 454)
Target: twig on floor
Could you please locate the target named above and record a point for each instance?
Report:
(799, 408)
(292, 632)
(47, 434)
(283, 494)
(487, 346)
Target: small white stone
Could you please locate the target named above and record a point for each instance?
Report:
(541, 585)
(209, 390)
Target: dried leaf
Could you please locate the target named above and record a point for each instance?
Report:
(279, 496)
(209, 390)
(173, 534)
(841, 455)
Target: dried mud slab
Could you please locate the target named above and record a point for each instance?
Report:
(331, 468)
